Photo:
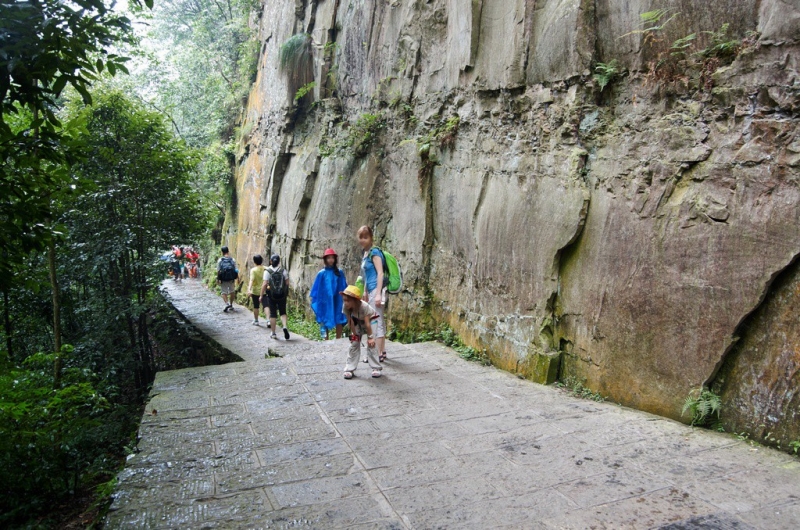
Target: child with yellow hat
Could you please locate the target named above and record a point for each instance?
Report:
(361, 317)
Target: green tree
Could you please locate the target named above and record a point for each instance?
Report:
(141, 201)
(45, 45)
(212, 63)
(61, 433)
(88, 199)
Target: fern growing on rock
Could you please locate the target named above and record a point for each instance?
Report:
(703, 404)
(605, 73)
(297, 61)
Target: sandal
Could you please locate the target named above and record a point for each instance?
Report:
(382, 357)
(348, 375)
(376, 373)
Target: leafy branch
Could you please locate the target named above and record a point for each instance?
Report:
(652, 22)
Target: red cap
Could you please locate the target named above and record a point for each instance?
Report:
(329, 252)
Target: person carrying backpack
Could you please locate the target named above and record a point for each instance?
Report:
(276, 289)
(382, 275)
(175, 269)
(374, 281)
(227, 274)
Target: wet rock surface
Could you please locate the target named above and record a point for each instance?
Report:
(437, 442)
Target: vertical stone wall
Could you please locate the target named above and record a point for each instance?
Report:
(628, 232)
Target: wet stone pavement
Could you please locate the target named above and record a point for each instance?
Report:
(438, 442)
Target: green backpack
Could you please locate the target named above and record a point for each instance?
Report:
(393, 275)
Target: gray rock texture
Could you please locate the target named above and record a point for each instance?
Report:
(633, 230)
(437, 442)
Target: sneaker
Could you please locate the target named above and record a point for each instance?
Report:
(273, 336)
(286, 333)
(226, 309)
(255, 322)
(230, 307)
(376, 373)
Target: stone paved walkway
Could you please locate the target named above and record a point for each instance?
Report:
(438, 442)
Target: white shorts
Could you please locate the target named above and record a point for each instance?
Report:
(380, 327)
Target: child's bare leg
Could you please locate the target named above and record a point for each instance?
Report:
(338, 331)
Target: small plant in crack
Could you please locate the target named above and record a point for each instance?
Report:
(605, 73)
(703, 405)
(575, 387)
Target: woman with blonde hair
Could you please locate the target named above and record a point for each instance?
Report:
(372, 269)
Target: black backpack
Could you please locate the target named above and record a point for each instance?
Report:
(226, 270)
(277, 284)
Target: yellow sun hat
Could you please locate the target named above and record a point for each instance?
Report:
(352, 291)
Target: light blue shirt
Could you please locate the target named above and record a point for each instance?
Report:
(370, 274)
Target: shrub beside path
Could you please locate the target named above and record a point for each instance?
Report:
(438, 442)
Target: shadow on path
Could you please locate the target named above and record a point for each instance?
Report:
(438, 442)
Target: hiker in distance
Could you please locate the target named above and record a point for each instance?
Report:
(176, 264)
(275, 289)
(227, 274)
(326, 300)
(254, 287)
(362, 319)
(375, 295)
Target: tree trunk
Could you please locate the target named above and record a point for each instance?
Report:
(51, 260)
(7, 324)
(145, 348)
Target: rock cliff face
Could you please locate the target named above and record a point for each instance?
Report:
(633, 233)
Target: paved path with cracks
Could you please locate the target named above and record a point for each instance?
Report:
(438, 442)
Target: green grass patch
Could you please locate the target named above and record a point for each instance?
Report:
(576, 388)
(447, 336)
(300, 324)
